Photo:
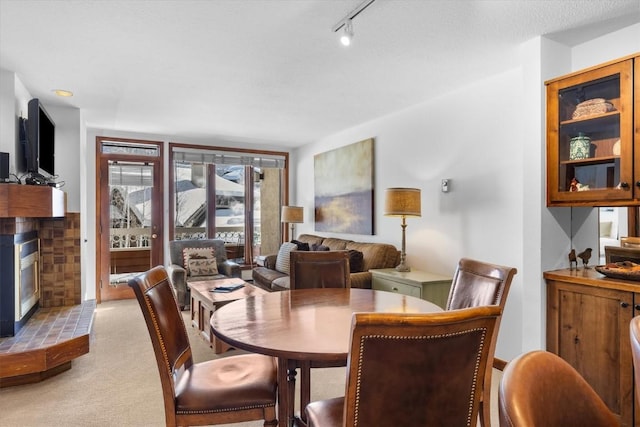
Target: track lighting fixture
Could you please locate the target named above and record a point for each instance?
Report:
(347, 35)
(347, 25)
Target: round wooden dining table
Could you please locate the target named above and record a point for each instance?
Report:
(301, 326)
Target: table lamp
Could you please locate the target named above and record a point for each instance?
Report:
(292, 215)
(402, 202)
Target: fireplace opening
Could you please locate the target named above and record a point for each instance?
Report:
(19, 281)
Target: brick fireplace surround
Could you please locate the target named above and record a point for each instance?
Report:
(59, 331)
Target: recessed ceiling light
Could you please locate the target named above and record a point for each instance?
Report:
(62, 92)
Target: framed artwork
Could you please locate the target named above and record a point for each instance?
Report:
(343, 181)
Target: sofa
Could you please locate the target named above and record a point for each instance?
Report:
(180, 274)
(374, 256)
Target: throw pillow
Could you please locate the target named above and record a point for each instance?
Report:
(282, 260)
(356, 261)
(302, 246)
(196, 253)
(203, 267)
(316, 247)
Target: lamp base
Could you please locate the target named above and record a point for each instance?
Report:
(403, 268)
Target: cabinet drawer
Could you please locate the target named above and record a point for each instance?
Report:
(400, 288)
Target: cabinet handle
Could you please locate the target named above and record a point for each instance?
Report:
(637, 183)
(637, 307)
(394, 289)
(624, 185)
(624, 304)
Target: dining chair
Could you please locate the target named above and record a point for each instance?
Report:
(634, 331)
(476, 283)
(412, 370)
(319, 269)
(539, 388)
(220, 391)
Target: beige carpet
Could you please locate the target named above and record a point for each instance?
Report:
(117, 383)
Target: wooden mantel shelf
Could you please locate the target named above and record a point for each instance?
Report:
(31, 201)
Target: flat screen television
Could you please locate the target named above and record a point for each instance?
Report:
(41, 137)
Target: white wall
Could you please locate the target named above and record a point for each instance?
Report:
(473, 137)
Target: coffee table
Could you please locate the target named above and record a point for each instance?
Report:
(204, 303)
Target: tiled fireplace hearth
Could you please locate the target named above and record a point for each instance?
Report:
(21, 360)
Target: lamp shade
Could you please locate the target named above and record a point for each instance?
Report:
(402, 202)
(292, 214)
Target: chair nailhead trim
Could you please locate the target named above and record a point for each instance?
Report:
(420, 337)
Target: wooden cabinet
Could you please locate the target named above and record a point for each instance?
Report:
(419, 284)
(590, 136)
(588, 320)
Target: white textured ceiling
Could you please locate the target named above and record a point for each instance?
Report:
(272, 71)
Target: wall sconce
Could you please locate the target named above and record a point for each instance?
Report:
(292, 215)
(402, 202)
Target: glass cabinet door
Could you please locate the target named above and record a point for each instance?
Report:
(590, 136)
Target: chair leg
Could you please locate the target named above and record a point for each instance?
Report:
(485, 402)
(270, 417)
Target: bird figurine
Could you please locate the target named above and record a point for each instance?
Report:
(572, 259)
(585, 256)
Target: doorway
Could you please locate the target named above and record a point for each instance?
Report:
(129, 206)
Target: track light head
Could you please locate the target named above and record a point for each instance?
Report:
(347, 35)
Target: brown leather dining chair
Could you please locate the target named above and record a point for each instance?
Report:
(220, 391)
(539, 388)
(634, 331)
(476, 283)
(412, 370)
(319, 269)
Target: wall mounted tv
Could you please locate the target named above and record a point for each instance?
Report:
(41, 137)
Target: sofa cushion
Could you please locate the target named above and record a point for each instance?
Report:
(376, 255)
(281, 283)
(335, 244)
(302, 246)
(356, 261)
(310, 239)
(282, 261)
(196, 253)
(203, 267)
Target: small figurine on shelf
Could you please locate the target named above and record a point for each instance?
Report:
(574, 185)
(585, 256)
(572, 259)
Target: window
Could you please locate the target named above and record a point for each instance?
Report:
(231, 195)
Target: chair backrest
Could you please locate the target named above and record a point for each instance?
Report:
(418, 369)
(176, 248)
(477, 283)
(166, 328)
(319, 269)
(634, 331)
(539, 388)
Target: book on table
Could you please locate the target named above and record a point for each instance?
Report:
(228, 287)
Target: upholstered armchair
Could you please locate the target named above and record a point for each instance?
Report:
(200, 254)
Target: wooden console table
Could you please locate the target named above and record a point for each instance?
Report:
(420, 284)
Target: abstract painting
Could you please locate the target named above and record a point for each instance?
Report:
(343, 180)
